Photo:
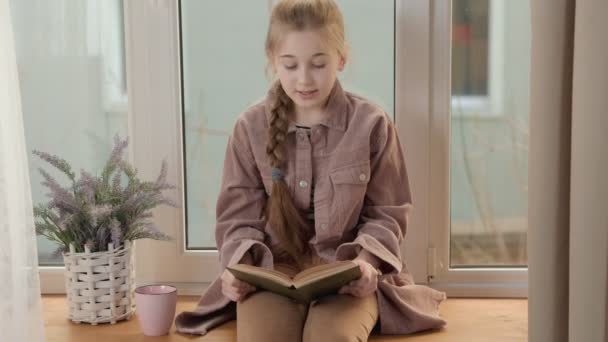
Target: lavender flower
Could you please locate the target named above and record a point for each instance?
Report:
(169, 202)
(127, 169)
(154, 232)
(116, 232)
(119, 147)
(87, 184)
(99, 212)
(111, 165)
(116, 181)
(65, 221)
(57, 252)
(57, 162)
(93, 211)
(40, 228)
(163, 173)
(59, 195)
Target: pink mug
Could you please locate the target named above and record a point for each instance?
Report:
(155, 308)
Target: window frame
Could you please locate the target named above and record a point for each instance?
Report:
(422, 107)
(457, 282)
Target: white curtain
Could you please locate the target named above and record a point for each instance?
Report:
(568, 172)
(20, 304)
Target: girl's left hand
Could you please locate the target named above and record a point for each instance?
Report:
(364, 286)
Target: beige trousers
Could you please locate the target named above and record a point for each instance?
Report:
(265, 316)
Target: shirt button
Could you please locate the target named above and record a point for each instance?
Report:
(323, 225)
(362, 177)
(303, 184)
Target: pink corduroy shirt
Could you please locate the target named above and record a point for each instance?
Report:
(362, 200)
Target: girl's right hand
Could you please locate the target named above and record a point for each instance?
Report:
(236, 290)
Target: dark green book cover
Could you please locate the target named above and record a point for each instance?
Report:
(319, 281)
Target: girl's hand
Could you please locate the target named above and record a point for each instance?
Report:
(364, 286)
(236, 290)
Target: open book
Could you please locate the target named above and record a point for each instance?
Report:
(305, 286)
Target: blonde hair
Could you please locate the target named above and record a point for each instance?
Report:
(323, 16)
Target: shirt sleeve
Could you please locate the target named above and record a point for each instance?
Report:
(388, 201)
(240, 221)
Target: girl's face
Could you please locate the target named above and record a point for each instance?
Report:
(307, 70)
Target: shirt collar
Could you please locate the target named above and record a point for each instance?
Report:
(336, 109)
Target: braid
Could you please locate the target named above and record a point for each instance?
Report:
(284, 218)
(278, 125)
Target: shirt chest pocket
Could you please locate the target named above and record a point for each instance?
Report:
(349, 185)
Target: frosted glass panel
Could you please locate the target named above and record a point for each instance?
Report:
(224, 73)
(489, 133)
(70, 59)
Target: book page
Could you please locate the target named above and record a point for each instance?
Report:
(320, 271)
(277, 276)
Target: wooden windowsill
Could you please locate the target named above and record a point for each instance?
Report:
(469, 320)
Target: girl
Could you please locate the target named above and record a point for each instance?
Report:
(313, 174)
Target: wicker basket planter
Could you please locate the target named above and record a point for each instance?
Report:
(100, 286)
